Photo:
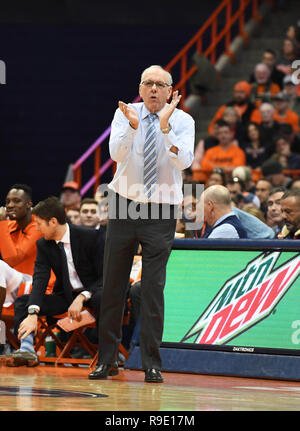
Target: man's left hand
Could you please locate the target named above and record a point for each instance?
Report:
(75, 308)
(168, 110)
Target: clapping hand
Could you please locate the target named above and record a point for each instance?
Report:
(130, 113)
(168, 110)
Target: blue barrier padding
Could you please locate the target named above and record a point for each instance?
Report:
(282, 367)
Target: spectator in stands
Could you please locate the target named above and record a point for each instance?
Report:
(256, 212)
(73, 215)
(288, 55)
(264, 116)
(269, 59)
(274, 214)
(244, 174)
(216, 177)
(282, 112)
(102, 199)
(245, 200)
(272, 169)
(203, 145)
(288, 133)
(290, 207)
(262, 190)
(231, 117)
(240, 102)
(256, 149)
(226, 155)
(70, 195)
(295, 184)
(75, 254)
(219, 215)
(290, 87)
(89, 213)
(293, 33)
(262, 88)
(235, 187)
(18, 230)
(284, 154)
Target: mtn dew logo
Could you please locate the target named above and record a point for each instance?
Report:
(245, 299)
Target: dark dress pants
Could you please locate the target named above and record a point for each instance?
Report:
(122, 237)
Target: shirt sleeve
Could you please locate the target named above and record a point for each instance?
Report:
(182, 136)
(12, 253)
(121, 137)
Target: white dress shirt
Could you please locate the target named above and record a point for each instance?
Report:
(126, 147)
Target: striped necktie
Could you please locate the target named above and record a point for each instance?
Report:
(150, 157)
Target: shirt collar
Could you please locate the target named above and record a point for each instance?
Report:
(145, 112)
(223, 218)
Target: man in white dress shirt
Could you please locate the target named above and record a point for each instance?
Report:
(152, 142)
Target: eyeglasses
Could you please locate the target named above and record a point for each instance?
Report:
(158, 84)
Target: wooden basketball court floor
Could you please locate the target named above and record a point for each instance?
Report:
(67, 388)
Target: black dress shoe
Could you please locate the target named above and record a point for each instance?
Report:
(102, 371)
(153, 376)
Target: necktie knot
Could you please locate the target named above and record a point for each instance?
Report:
(152, 118)
(60, 245)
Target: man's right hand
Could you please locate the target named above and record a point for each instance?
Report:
(130, 113)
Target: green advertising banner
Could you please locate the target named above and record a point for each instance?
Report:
(237, 299)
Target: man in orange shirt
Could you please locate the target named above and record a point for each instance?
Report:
(18, 233)
(226, 155)
(263, 88)
(241, 94)
(282, 112)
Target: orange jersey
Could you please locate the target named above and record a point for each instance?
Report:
(18, 247)
(231, 157)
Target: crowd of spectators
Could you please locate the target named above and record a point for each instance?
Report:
(252, 146)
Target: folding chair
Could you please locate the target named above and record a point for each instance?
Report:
(49, 328)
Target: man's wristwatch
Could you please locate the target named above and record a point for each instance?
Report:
(166, 129)
(32, 311)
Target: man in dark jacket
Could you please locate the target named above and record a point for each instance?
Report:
(75, 254)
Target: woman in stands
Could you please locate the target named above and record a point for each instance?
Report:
(256, 149)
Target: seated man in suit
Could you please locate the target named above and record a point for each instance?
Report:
(75, 254)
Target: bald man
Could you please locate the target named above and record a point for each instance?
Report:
(219, 215)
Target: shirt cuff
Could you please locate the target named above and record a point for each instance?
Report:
(34, 308)
(86, 294)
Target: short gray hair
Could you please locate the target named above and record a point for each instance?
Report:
(156, 66)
